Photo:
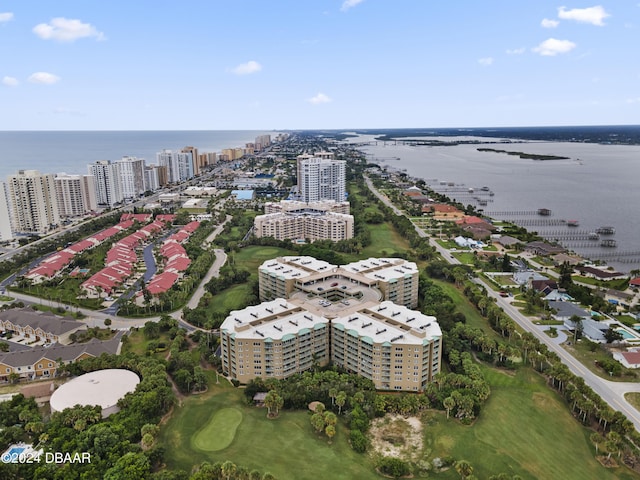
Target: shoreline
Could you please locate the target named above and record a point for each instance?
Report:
(586, 190)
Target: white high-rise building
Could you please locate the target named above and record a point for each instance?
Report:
(75, 194)
(179, 165)
(151, 178)
(6, 232)
(132, 176)
(321, 179)
(108, 185)
(33, 201)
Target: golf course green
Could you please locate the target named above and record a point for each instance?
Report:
(219, 432)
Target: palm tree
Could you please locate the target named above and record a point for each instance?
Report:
(228, 469)
(464, 468)
(595, 439)
(273, 401)
(341, 398)
(330, 431)
(448, 403)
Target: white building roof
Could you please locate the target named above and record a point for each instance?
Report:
(102, 387)
(295, 267)
(391, 323)
(385, 268)
(276, 320)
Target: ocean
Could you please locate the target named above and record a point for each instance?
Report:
(71, 152)
(596, 186)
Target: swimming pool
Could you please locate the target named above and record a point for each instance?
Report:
(626, 335)
(15, 451)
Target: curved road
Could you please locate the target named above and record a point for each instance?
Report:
(96, 318)
(611, 392)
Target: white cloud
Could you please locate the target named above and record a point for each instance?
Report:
(319, 99)
(548, 23)
(6, 17)
(247, 68)
(347, 4)
(552, 47)
(633, 100)
(44, 78)
(593, 15)
(516, 51)
(66, 30)
(485, 62)
(10, 81)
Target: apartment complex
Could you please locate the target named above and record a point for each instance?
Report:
(294, 220)
(132, 173)
(6, 232)
(376, 279)
(396, 348)
(179, 165)
(321, 179)
(262, 142)
(108, 184)
(75, 194)
(33, 207)
(273, 339)
(316, 312)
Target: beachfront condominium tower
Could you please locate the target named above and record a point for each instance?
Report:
(321, 179)
(6, 232)
(151, 177)
(262, 142)
(179, 165)
(33, 201)
(198, 163)
(132, 177)
(75, 194)
(108, 184)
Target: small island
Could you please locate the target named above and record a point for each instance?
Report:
(526, 156)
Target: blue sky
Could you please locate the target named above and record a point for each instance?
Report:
(258, 64)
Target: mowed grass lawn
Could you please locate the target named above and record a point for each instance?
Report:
(385, 241)
(286, 446)
(250, 258)
(524, 429)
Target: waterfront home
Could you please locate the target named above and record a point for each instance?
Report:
(543, 248)
(600, 274)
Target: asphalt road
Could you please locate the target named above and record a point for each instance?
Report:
(96, 318)
(611, 392)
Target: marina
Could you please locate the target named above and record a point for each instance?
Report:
(581, 197)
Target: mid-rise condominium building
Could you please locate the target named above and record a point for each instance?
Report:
(132, 177)
(75, 194)
(314, 313)
(377, 279)
(294, 220)
(33, 201)
(108, 184)
(317, 314)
